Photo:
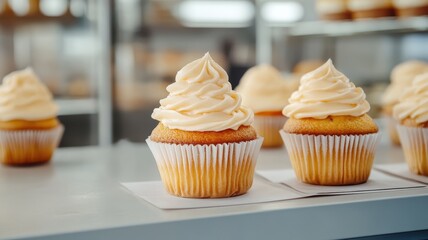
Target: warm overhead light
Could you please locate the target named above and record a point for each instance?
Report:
(238, 13)
(282, 11)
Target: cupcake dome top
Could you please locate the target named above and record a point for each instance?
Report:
(401, 77)
(24, 97)
(263, 89)
(414, 101)
(202, 99)
(326, 92)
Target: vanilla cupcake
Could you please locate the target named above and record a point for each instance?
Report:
(412, 115)
(333, 9)
(265, 91)
(410, 8)
(401, 78)
(329, 137)
(361, 9)
(204, 145)
(29, 128)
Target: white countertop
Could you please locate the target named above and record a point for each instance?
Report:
(79, 195)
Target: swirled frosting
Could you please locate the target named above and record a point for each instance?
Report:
(263, 89)
(24, 97)
(326, 92)
(202, 99)
(401, 78)
(414, 101)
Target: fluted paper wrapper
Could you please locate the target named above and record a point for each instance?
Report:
(268, 127)
(415, 146)
(206, 171)
(27, 147)
(391, 124)
(331, 159)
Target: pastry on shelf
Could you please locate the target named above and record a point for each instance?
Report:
(204, 145)
(411, 114)
(410, 8)
(266, 92)
(362, 9)
(5, 9)
(329, 137)
(401, 78)
(29, 128)
(333, 9)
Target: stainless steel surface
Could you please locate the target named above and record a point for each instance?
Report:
(79, 196)
(346, 28)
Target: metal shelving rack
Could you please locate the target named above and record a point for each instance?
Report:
(330, 29)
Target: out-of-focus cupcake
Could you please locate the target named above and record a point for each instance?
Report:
(333, 9)
(401, 78)
(361, 9)
(204, 145)
(265, 91)
(410, 8)
(29, 128)
(412, 116)
(329, 137)
(306, 66)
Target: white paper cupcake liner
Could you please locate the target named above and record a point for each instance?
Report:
(206, 171)
(331, 159)
(268, 127)
(24, 147)
(391, 124)
(415, 146)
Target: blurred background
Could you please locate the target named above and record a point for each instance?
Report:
(107, 62)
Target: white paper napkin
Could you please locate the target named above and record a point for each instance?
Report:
(401, 170)
(261, 191)
(378, 181)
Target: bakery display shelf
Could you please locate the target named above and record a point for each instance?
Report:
(77, 106)
(12, 21)
(346, 28)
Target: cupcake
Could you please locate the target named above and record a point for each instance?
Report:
(29, 128)
(329, 137)
(204, 145)
(333, 9)
(305, 66)
(264, 90)
(401, 78)
(406, 8)
(412, 116)
(361, 9)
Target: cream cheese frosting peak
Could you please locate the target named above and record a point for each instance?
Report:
(202, 99)
(263, 89)
(414, 101)
(24, 97)
(326, 92)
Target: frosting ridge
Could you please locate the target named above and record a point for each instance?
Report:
(414, 101)
(24, 97)
(401, 78)
(202, 99)
(326, 92)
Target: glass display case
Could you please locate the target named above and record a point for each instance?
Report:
(366, 50)
(154, 39)
(66, 43)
